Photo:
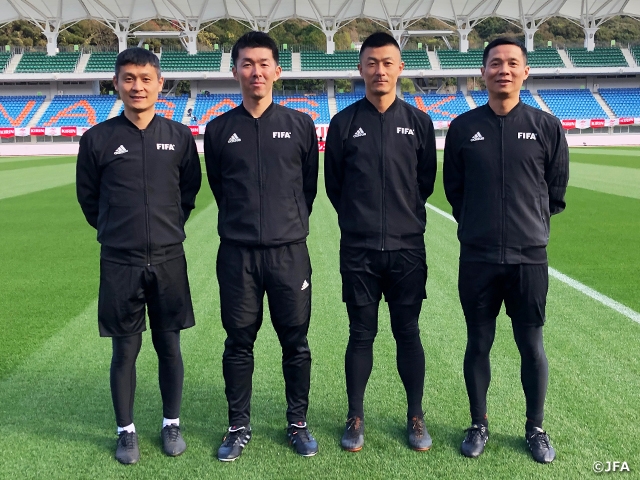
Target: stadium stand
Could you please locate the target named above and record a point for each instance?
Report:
(285, 60)
(183, 62)
(170, 107)
(572, 103)
(624, 102)
(600, 57)
(17, 111)
(77, 110)
(440, 107)
(482, 96)
(343, 100)
(4, 59)
(545, 58)
(207, 107)
(415, 60)
(211, 106)
(635, 51)
(40, 62)
(456, 59)
(340, 60)
(101, 62)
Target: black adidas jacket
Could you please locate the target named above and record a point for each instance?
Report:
(138, 187)
(263, 173)
(504, 177)
(379, 171)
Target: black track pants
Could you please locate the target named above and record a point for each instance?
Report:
(123, 373)
(363, 327)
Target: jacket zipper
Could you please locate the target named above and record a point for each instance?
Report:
(504, 213)
(257, 123)
(384, 174)
(146, 195)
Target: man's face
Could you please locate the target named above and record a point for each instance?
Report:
(256, 70)
(380, 68)
(505, 71)
(138, 86)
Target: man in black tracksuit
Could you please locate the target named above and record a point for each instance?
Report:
(262, 165)
(505, 173)
(137, 178)
(380, 168)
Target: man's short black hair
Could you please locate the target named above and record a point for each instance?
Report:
(503, 41)
(137, 56)
(377, 40)
(254, 40)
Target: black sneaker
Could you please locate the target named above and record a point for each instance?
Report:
(127, 450)
(473, 444)
(301, 439)
(419, 438)
(353, 437)
(541, 449)
(234, 442)
(172, 442)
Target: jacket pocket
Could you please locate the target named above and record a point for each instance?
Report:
(295, 197)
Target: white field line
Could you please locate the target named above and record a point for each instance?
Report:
(582, 288)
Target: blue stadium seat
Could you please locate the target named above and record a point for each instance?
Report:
(624, 102)
(77, 110)
(440, 107)
(17, 111)
(572, 103)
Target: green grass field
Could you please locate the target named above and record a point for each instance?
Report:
(55, 403)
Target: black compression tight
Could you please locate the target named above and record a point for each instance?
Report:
(123, 373)
(534, 370)
(363, 327)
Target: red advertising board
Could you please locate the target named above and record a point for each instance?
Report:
(568, 124)
(7, 132)
(195, 129)
(68, 131)
(37, 131)
(626, 121)
(597, 122)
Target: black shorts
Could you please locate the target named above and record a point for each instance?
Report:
(245, 274)
(522, 287)
(125, 291)
(401, 275)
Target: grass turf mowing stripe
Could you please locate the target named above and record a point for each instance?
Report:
(58, 418)
(597, 296)
(35, 162)
(621, 181)
(33, 179)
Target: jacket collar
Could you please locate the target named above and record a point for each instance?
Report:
(134, 126)
(372, 107)
(514, 111)
(266, 114)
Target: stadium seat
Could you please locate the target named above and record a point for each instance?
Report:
(40, 62)
(343, 100)
(482, 96)
(455, 59)
(208, 107)
(440, 107)
(4, 59)
(320, 61)
(600, 57)
(545, 58)
(572, 103)
(17, 111)
(181, 61)
(635, 51)
(101, 62)
(624, 102)
(77, 110)
(416, 60)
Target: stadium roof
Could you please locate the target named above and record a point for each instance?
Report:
(263, 13)
(397, 15)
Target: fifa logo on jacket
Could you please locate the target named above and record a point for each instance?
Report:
(405, 131)
(527, 135)
(165, 146)
(281, 134)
